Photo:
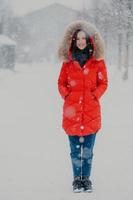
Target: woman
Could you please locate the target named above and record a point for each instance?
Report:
(81, 83)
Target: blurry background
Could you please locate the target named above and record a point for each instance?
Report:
(34, 150)
(36, 27)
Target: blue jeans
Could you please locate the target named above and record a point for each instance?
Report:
(81, 154)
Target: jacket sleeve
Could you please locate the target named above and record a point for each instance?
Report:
(62, 81)
(102, 80)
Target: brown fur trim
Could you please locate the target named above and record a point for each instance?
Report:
(65, 43)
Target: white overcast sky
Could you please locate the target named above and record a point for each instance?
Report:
(21, 7)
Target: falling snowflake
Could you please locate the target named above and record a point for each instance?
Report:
(100, 76)
(89, 161)
(82, 127)
(79, 155)
(78, 118)
(76, 162)
(72, 83)
(86, 71)
(80, 101)
(87, 153)
(77, 146)
(81, 139)
(70, 112)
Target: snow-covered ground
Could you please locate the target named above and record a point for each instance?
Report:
(34, 150)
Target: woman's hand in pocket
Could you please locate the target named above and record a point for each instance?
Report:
(94, 97)
(66, 96)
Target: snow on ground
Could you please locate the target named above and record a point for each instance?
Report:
(34, 150)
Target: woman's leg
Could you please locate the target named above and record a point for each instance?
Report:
(75, 148)
(87, 154)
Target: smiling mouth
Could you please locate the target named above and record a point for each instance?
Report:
(82, 46)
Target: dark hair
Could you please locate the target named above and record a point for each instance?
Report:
(74, 38)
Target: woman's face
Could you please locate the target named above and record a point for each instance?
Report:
(81, 40)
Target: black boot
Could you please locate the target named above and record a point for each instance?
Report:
(87, 184)
(77, 184)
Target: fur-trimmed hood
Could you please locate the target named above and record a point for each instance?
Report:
(64, 46)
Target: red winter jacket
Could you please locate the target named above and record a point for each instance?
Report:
(81, 89)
